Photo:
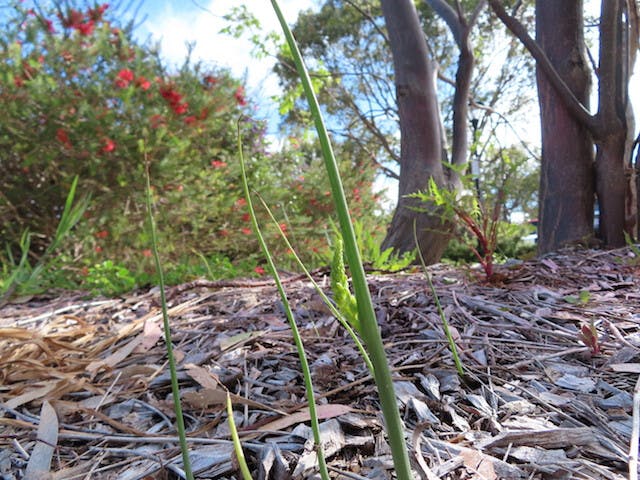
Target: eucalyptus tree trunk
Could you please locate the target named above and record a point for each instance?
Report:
(614, 125)
(567, 168)
(422, 141)
(559, 45)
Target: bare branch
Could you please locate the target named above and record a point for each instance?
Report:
(373, 128)
(451, 18)
(476, 13)
(371, 20)
(576, 108)
(358, 140)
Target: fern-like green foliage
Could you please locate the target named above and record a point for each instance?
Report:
(376, 258)
(345, 301)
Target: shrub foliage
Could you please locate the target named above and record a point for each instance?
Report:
(83, 97)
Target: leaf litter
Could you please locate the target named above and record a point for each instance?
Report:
(551, 349)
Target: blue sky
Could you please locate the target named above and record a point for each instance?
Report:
(174, 23)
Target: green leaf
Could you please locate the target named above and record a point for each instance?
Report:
(345, 301)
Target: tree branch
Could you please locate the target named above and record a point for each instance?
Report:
(373, 128)
(576, 108)
(610, 86)
(476, 13)
(451, 18)
(370, 19)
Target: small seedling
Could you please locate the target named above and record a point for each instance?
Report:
(582, 298)
(479, 220)
(589, 336)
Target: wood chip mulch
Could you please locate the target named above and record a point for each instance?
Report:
(85, 390)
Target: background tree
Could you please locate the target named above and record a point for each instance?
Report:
(569, 129)
(347, 47)
(421, 131)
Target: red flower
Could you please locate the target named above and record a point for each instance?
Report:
(246, 217)
(180, 108)
(210, 80)
(147, 253)
(190, 119)
(73, 19)
(98, 249)
(173, 98)
(49, 25)
(246, 231)
(102, 234)
(283, 227)
(109, 145)
(63, 137)
(218, 164)
(96, 13)
(241, 202)
(85, 28)
(143, 83)
(239, 95)
(170, 95)
(259, 270)
(124, 78)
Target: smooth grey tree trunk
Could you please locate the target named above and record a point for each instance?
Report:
(422, 142)
(567, 169)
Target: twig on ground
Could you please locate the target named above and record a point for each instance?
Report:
(635, 431)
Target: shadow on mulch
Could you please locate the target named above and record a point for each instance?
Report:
(542, 398)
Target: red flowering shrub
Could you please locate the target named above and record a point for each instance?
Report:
(124, 78)
(82, 97)
(79, 96)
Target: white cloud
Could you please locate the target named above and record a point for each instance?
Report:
(174, 28)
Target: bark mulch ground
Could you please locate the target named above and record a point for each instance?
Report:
(85, 394)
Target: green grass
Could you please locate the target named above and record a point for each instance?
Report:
(368, 323)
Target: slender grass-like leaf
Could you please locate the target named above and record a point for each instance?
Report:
(24, 278)
(445, 323)
(334, 311)
(206, 264)
(368, 322)
(175, 388)
(17, 270)
(237, 446)
(304, 364)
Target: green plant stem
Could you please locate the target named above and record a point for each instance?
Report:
(237, 446)
(175, 388)
(334, 311)
(369, 325)
(304, 364)
(445, 324)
